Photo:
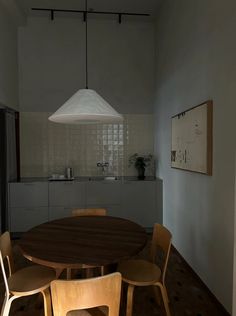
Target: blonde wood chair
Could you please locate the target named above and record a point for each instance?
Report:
(86, 212)
(89, 212)
(139, 272)
(27, 281)
(74, 296)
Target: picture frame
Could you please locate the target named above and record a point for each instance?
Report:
(191, 139)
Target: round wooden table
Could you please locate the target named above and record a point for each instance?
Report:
(83, 240)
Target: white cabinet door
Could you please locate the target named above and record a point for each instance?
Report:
(139, 202)
(25, 218)
(28, 205)
(101, 193)
(30, 194)
(67, 194)
(56, 212)
(33, 203)
(104, 194)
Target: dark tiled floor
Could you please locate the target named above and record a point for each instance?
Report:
(187, 295)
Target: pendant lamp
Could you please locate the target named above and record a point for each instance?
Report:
(86, 106)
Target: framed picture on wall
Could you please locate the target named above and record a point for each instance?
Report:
(191, 139)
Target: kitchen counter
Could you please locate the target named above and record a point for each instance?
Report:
(83, 179)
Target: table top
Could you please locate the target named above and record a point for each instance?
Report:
(83, 240)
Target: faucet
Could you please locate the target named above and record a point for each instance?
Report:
(103, 165)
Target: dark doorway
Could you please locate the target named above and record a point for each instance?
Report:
(9, 158)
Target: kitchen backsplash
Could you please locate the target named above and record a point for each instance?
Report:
(48, 148)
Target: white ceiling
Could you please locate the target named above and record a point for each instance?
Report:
(134, 6)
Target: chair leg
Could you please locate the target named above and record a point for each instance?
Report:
(47, 302)
(165, 298)
(7, 305)
(68, 274)
(166, 293)
(102, 270)
(129, 306)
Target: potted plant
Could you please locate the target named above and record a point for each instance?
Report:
(140, 163)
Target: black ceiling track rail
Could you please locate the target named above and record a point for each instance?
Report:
(85, 12)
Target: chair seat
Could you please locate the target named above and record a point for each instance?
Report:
(139, 272)
(31, 280)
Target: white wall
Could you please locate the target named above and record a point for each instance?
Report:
(8, 60)
(120, 62)
(195, 62)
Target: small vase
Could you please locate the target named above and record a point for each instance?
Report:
(141, 172)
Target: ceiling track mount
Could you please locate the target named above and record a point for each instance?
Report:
(86, 12)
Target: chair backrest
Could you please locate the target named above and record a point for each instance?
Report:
(89, 212)
(69, 295)
(4, 275)
(6, 256)
(6, 251)
(161, 238)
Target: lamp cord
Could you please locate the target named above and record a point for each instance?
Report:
(86, 44)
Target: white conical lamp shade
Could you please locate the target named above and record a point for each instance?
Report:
(84, 107)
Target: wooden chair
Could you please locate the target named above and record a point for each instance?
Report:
(78, 295)
(89, 212)
(27, 281)
(86, 212)
(144, 273)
